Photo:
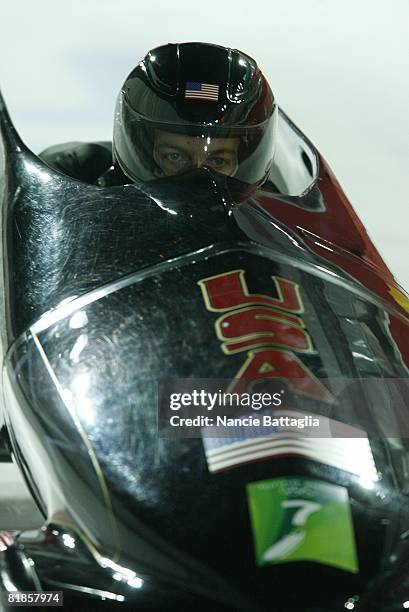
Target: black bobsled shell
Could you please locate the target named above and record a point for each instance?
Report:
(105, 293)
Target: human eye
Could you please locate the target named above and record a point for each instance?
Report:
(217, 162)
(224, 164)
(176, 159)
(173, 156)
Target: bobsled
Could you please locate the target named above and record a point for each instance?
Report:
(106, 292)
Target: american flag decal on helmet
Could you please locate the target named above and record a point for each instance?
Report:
(201, 91)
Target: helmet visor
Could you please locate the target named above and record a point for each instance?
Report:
(148, 150)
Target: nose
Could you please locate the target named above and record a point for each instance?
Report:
(199, 156)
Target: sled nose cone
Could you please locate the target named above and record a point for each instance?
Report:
(17, 160)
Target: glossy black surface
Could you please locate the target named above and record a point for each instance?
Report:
(102, 301)
(156, 86)
(230, 99)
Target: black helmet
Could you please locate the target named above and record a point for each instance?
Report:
(194, 104)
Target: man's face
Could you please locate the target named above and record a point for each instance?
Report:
(175, 153)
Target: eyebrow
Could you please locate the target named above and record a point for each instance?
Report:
(164, 145)
(219, 151)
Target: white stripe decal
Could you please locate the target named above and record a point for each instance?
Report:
(352, 454)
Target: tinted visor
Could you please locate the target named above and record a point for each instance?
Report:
(148, 150)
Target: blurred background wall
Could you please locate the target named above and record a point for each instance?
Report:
(338, 67)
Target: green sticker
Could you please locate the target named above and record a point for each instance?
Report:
(301, 519)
